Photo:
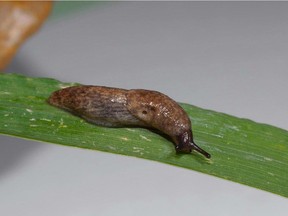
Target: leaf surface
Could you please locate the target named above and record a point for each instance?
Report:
(242, 151)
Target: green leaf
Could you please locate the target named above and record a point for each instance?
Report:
(242, 151)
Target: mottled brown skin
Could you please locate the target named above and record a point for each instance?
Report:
(113, 107)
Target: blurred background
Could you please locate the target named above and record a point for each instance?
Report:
(225, 56)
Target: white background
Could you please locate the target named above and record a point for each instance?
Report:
(228, 57)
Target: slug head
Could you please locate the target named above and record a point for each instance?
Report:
(161, 112)
(185, 144)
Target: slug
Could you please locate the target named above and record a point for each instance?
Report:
(114, 107)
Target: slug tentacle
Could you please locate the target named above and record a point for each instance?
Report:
(200, 150)
(185, 144)
(114, 107)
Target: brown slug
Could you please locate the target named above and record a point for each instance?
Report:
(114, 107)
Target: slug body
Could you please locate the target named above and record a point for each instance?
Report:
(114, 107)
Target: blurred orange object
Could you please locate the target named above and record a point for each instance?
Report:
(19, 20)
